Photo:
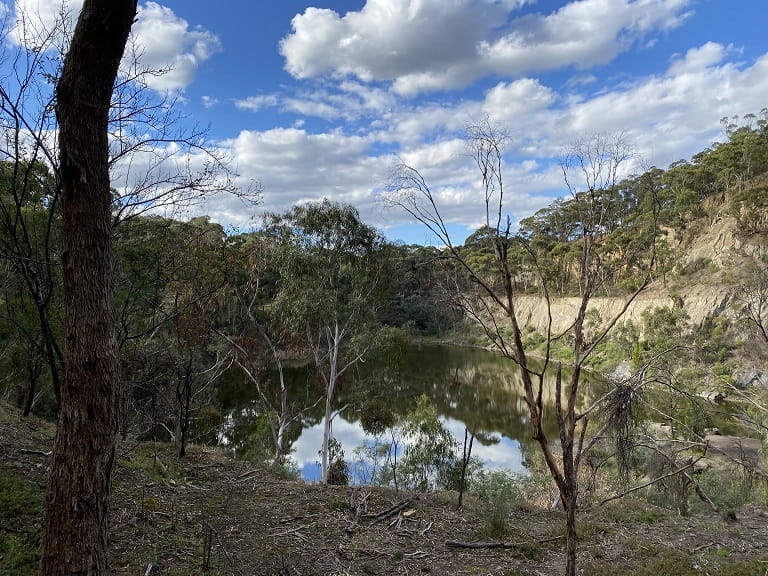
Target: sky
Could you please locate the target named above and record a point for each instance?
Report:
(324, 99)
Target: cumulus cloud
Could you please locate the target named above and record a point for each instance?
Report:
(295, 166)
(674, 114)
(428, 45)
(511, 102)
(160, 40)
(666, 116)
(164, 41)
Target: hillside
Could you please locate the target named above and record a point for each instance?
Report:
(210, 514)
(711, 262)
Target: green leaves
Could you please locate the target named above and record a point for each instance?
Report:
(330, 264)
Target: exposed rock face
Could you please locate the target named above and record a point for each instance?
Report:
(724, 256)
(699, 302)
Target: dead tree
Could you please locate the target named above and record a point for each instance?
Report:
(493, 303)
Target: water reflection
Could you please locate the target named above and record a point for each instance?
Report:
(469, 387)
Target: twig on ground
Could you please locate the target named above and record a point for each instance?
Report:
(394, 510)
(36, 452)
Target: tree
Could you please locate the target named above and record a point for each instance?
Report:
(154, 162)
(752, 302)
(331, 277)
(255, 338)
(29, 233)
(596, 164)
(75, 526)
(29, 188)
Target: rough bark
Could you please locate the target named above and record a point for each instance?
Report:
(77, 501)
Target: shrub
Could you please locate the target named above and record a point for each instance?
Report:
(496, 492)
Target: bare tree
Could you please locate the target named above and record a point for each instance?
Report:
(492, 302)
(157, 165)
(29, 184)
(75, 526)
(752, 302)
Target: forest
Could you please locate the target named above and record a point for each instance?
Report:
(122, 324)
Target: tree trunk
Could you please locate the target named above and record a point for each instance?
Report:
(33, 371)
(570, 534)
(283, 419)
(76, 517)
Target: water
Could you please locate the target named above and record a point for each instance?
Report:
(469, 388)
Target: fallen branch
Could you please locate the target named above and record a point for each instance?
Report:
(294, 518)
(359, 501)
(247, 474)
(394, 510)
(291, 531)
(700, 493)
(705, 546)
(478, 545)
(650, 482)
(495, 544)
(36, 452)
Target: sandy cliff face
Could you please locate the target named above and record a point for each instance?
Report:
(723, 256)
(699, 302)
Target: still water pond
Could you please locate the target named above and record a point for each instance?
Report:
(469, 388)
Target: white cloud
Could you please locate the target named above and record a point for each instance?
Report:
(256, 103)
(428, 45)
(347, 100)
(511, 102)
(209, 101)
(295, 166)
(387, 37)
(166, 42)
(706, 56)
(677, 113)
(666, 117)
(583, 33)
(160, 40)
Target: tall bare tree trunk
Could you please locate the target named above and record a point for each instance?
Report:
(79, 485)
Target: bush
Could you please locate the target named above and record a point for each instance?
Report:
(496, 492)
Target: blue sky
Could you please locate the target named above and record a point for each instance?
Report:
(321, 99)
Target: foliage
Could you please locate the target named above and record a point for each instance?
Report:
(430, 459)
(496, 493)
(338, 472)
(376, 416)
(731, 487)
(333, 274)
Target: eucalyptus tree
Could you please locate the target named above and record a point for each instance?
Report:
(592, 168)
(76, 520)
(255, 337)
(332, 275)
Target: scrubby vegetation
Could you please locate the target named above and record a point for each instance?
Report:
(200, 307)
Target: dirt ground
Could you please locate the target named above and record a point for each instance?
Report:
(209, 514)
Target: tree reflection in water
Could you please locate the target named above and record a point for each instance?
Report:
(468, 386)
